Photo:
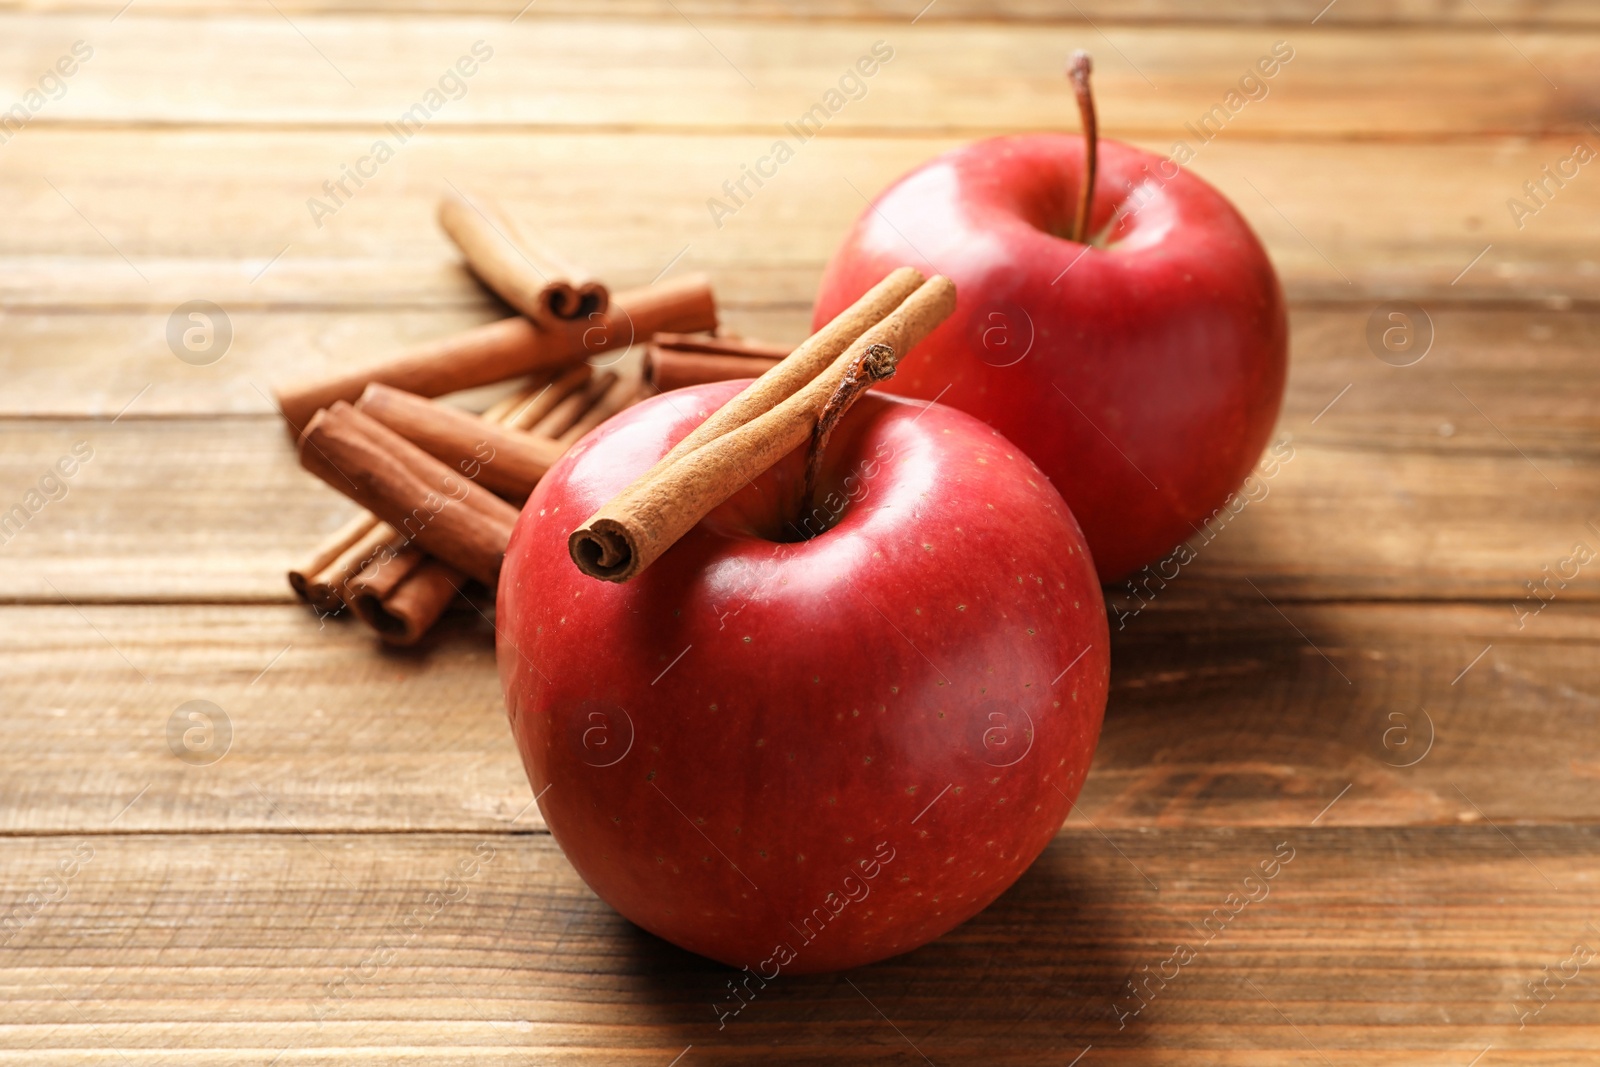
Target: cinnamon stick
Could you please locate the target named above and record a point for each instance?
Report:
(817, 352)
(384, 572)
(410, 609)
(528, 414)
(748, 434)
(501, 460)
(511, 347)
(325, 589)
(330, 549)
(500, 409)
(613, 400)
(669, 369)
(436, 507)
(562, 417)
(725, 345)
(535, 280)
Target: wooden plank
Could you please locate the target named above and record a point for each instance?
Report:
(236, 229)
(68, 364)
(1529, 370)
(1297, 13)
(1366, 947)
(675, 72)
(1220, 715)
(207, 509)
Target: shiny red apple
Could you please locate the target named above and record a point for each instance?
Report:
(1142, 370)
(798, 755)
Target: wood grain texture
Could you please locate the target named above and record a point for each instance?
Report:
(237, 231)
(354, 949)
(172, 510)
(1530, 371)
(262, 69)
(1219, 716)
(1297, 13)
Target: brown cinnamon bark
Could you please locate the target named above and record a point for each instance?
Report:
(534, 279)
(669, 369)
(724, 345)
(562, 417)
(410, 609)
(505, 461)
(500, 350)
(384, 572)
(802, 366)
(635, 528)
(330, 549)
(528, 414)
(613, 400)
(438, 508)
(325, 590)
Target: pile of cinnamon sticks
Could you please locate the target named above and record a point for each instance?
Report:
(440, 487)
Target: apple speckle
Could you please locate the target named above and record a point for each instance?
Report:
(747, 639)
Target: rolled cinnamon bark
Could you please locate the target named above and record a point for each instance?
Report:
(562, 417)
(644, 520)
(613, 400)
(325, 589)
(330, 549)
(528, 414)
(724, 345)
(670, 369)
(384, 572)
(505, 349)
(436, 507)
(505, 461)
(535, 384)
(531, 278)
(410, 609)
(816, 353)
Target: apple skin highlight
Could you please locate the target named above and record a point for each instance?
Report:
(803, 755)
(1143, 371)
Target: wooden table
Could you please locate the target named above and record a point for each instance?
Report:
(1345, 672)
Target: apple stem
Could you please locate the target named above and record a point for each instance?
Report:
(1078, 71)
(874, 365)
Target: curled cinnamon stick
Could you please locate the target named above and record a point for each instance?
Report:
(402, 615)
(533, 279)
(644, 520)
(561, 418)
(673, 361)
(504, 461)
(330, 549)
(325, 590)
(613, 400)
(500, 350)
(802, 366)
(528, 414)
(437, 507)
(384, 572)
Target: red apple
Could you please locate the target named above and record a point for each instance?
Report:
(798, 755)
(1142, 372)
